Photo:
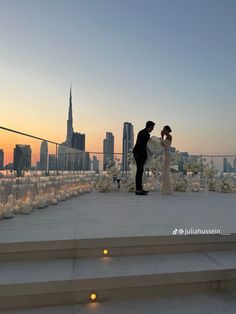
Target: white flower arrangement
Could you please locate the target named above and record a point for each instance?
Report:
(176, 158)
(212, 184)
(54, 201)
(152, 183)
(104, 184)
(130, 157)
(195, 185)
(130, 185)
(133, 169)
(210, 170)
(180, 183)
(8, 210)
(112, 170)
(225, 185)
(155, 165)
(41, 200)
(194, 165)
(37, 191)
(26, 207)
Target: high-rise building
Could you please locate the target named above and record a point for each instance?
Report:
(230, 168)
(95, 164)
(128, 144)
(69, 122)
(225, 165)
(86, 162)
(44, 156)
(108, 149)
(1, 159)
(234, 164)
(78, 141)
(52, 162)
(184, 156)
(68, 157)
(22, 158)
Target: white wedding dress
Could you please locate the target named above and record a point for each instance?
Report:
(155, 147)
(165, 184)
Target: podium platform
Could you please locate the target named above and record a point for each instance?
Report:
(52, 260)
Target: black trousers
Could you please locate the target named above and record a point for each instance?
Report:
(140, 161)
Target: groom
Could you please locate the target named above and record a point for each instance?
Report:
(140, 155)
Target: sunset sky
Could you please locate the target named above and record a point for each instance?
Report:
(171, 61)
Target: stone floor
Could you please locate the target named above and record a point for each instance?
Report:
(98, 215)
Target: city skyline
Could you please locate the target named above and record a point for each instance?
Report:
(127, 61)
(68, 159)
(22, 159)
(77, 140)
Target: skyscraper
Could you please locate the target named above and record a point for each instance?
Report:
(52, 161)
(68, 158)
(95, 164)
(44, 156)
(128, 144)
(69, 122)
(1, 159)
(184, 156)
(22, 158)
(225, 165)
(78, 141)
(86, 162)
(108, 149)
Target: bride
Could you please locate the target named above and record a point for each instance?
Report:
(155, 146)
(166, 140)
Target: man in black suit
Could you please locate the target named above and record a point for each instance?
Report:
(140, 155)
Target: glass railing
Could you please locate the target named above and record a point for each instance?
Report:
(37, 172)
(23, 154)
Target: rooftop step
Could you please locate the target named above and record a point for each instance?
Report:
(70, 281)
(217, 302)
(117, 246)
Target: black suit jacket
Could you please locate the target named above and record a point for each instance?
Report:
(140, 148)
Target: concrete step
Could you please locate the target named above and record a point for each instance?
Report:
(210, 302)
(70, 281)
(117, 246)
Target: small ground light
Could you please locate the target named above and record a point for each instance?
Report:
(105, 252)
(93, 296)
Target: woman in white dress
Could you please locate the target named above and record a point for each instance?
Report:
(166, 140)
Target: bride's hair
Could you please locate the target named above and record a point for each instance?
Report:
(167, 127)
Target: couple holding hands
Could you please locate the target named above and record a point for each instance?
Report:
(142, 153)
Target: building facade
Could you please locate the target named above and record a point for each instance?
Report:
(78, 141)
(44, 156)
(1, 159)
(22, 158)
(95, 165)
(128, 144)
(108, 149)
(52, 162)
